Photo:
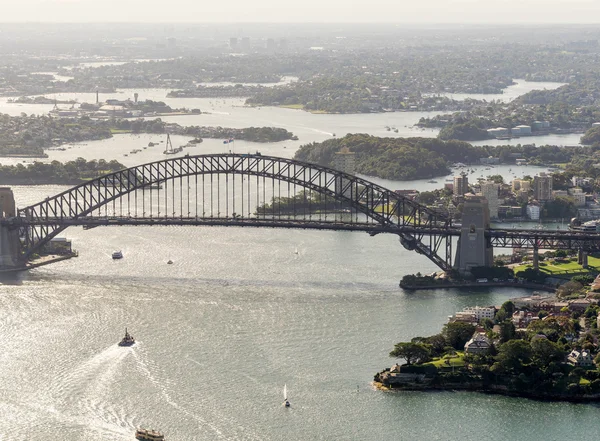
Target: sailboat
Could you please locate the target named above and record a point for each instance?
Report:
(296, 250)
(286, 403)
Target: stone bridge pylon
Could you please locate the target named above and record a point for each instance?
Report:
(10, 249)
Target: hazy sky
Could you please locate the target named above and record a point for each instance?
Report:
(227, 11)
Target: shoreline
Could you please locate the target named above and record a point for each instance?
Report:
(583, 399)
(479, 285)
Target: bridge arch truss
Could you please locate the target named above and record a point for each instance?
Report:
(238, 190)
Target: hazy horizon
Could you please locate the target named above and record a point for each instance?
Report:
(310, 11)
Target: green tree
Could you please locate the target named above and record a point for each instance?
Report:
(411, 352)
(509, 307)
(458, 333)
(513, 354)
(545, 352)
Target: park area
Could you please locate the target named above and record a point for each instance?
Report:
(566, 267)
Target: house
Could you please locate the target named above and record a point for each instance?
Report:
(521, 319)
(479, 344)
(580, 305)
(580, 358)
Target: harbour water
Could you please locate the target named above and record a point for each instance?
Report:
(236, 316)
(220, 331)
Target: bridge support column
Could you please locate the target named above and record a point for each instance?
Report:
(536, 259)
(473, 248)
(582, 258)
(10, 246)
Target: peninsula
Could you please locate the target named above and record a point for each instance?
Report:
(537, 347)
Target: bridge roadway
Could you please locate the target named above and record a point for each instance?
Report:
(502, 238)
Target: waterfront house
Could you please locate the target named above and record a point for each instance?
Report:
(580, 305)
(580, 358)
(479, 344)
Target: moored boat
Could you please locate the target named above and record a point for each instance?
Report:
(117, 255)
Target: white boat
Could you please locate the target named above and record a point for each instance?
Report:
(117, 255)
(286, 403)
(296, 250)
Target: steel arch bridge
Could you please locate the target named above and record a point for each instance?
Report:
(238, 190)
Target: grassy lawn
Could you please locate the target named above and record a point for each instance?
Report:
(583, 381)
(454, 361)
(568, 268)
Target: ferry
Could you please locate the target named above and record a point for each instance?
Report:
(592, 226)
(149, 435)
(128, 340)
(117, 255)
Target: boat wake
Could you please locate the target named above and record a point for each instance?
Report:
(83, 394)
(143, 367)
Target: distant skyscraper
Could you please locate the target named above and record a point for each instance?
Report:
(461, 185)
(489, 190)
(542, 185)
(270, 45)
(233, 43)
(245, 46)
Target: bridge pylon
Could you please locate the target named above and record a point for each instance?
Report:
(473, 247)
(10, 246)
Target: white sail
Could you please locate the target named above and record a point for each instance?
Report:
(285, 391)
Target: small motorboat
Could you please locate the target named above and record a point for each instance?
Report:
(169, 262)
(128, 340)
(149, 435)
(117, 255)
(286, 402)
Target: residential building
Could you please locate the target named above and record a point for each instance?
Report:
(489, 190)
(521, 319)
(463, 318)
(344, 161)
(579, 305)
(481, 312)
(520, 184)
(533, 212)
(577, 181)
(578, 195)
(479, 344)
(461, 185)
(580, 358)
(560, 194)
(542, 185)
